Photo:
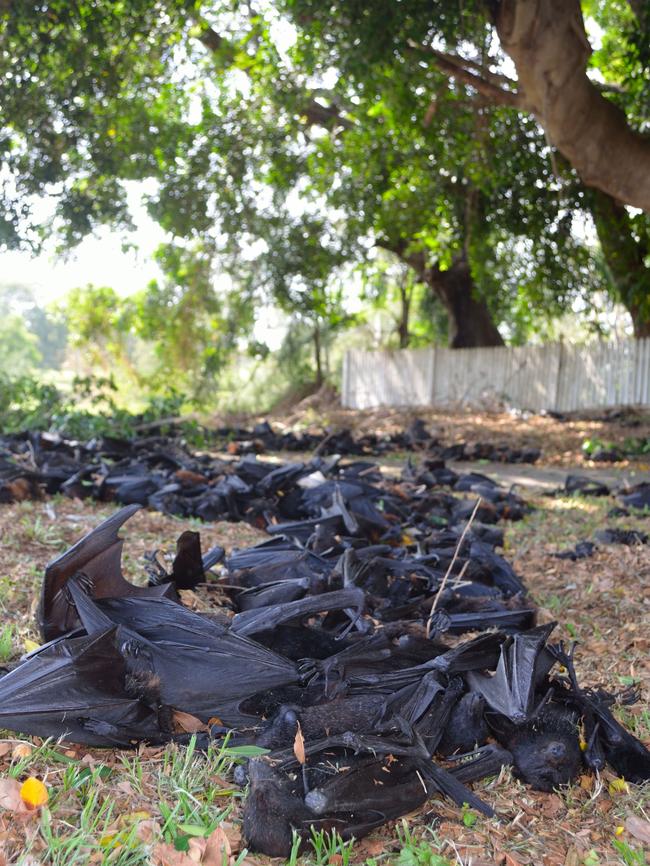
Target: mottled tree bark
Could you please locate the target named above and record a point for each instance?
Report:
(547, 42)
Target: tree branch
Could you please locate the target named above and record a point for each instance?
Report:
(497, 78)
(483, 83)
(316, 113)
(549, 47)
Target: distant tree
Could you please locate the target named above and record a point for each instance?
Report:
(41, 332)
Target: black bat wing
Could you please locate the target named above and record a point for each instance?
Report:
(75, 688)
(250, 622)
(99, 556)
(511, 690)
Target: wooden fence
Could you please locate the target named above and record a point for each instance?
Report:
(557, 377)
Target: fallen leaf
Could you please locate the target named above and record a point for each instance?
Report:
(164, 854)
(21, 750)
(10, 796)
(5, 748)
(233, 832)
(370, 847)
(217, 848)
(196, 849)
(639, 828)
(148, 830)
(552, 805)
(299, 746)
(187, 722)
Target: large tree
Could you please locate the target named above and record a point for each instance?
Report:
(399, 118)
(594, 150)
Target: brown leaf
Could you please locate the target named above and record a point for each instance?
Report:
(187, 722)
(10, 796)
(21, 750)
(164, 854)
(217, 849)
(299, 746)
(5, 748)
(233, 832)
(639, 828)
(552, 805)
(572, 858)
(148, 830)
(196, 849)
(370, 847)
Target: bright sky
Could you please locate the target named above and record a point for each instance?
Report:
(99, 260)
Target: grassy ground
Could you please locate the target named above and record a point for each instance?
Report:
(561, 440)
(140, 807)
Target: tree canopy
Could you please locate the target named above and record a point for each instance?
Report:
(476, 142)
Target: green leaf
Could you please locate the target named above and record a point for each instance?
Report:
(247, 751)
(193, 829)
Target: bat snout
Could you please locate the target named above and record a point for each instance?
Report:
(556, 752)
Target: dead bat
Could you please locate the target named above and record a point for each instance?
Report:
(272, 810)
(76, 688)
(546, 750)
(164, 641)
(606, 737)
(523, 663)
(189, 565)
(466, 728)
(250, 622)
(480, 763)
(322, 720)
(99, 556)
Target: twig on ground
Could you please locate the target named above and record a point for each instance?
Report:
(451, 564)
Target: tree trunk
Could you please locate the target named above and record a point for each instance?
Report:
(470, 321)
(547, 42)
(405, 313)
(625, 258)
(318, 356)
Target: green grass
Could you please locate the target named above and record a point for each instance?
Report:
(188, 793)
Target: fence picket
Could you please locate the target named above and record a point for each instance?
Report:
(555, 377)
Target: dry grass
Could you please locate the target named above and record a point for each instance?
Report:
(99, 798)
(561, 441)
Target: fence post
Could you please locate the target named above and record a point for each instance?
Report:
(432, 375)
(345, 380)
(558, 380)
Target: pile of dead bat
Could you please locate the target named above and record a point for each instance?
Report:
(162, 476)
(112, 468)
(333, 645)
(263, 438)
